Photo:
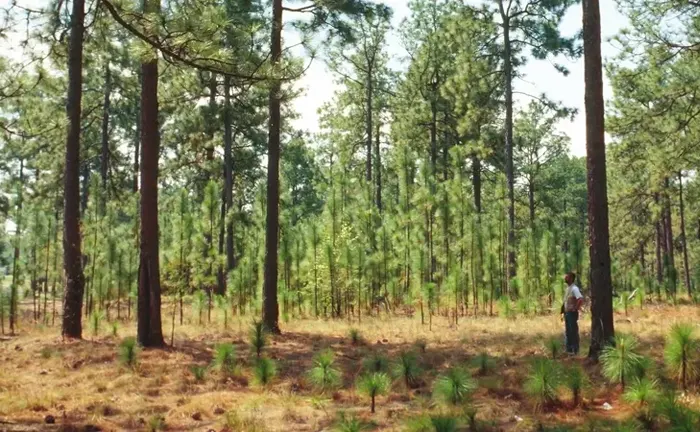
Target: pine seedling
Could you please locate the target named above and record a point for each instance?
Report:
(484, 364)
(198, 372)
(553, 347)
(542, 382)
(373, 385)
(444, 423)
(264, 371)
(621, 360)
(376, 362)
(323, 375)
(349, 424)
(576, 382)
(128, 352)
(643, 394)
(681, 353)
(258, 337)
(454, 387)
(96, 322)
(406, 369)
(225, 359)
(355, 336)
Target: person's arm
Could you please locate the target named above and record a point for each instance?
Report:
(579, 298)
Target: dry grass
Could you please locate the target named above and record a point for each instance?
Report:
(83, 383)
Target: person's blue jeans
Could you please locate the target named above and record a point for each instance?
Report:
(572, 340)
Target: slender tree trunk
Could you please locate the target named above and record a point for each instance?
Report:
(14, 292)
(228, 175)
(104, 159)
(510, 177)
(602, 325)
(659, 261)
(55, 272)
(368, 125)
(270, 305)
(531, 201)
(149, 331)
(72, 256)
(476, 183)
(686, 267)
(46, 272)
(378, 175)
(137, 141)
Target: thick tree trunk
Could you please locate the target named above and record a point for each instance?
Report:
(510, 177)
(72, 256)
(149, 329)
(137, 141)
(270, 304)
(228, 175)
(686, 267)
(602, 325)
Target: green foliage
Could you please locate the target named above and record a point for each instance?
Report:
(444, 423)
(553, 347)
(355, 336)
(323, 375)
(115, 328)
(680, 418)
(95, 320)
(484, 363)
(373, 385)
(681, 353)
(542, 382)
(258, 337)
(225, 359)
(576, 382)
(264, 371)
(505, 307)
(128, 352)
(375, 362)
(454, 386)
(199, 372)
(406, 369)
(642, 392)
(349, 424)
(156, 423)
(620, 360)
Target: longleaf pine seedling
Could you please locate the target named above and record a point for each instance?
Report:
(483, 363)
(620, 360)
(681, 353)
(96, 322)
(264, 371)
(258, 337)
(444, 423)
(542, 382)
(407, 369)
(355, 336)
(128, 352)
(375, 362)
(553, 347)
(373, 385)
(576, 382)
(454, 386)
(323, 375)
(225, 359)
(199, 372)
(643, 394)
(349, 424)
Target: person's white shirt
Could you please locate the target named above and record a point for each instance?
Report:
(573, 293)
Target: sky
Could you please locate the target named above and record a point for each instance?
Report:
(539, 76)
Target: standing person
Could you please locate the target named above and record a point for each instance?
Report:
(573, 300)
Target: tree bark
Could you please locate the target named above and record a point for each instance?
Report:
(72, 256)
(368, 124)
(602, 325)
(137, 141)
(378, 174)
(510, 178)
(104, 159)
(14, 293)
(149, 329)
(228, 175)
(686, 267)
(668, 225)
(476, 182)
(270, 304)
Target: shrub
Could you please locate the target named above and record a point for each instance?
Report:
(355, 336)
(553, 347)
(407, 369)
(681, 353)
(620, 361)
(576, 381)
(264, 371)
(258, 337)
(454, 387)
(128, 352)
(373, 385)
(376, 362)
(198, 372)
(542, 382)
(323, 375)
(225, 359)
(484, 363)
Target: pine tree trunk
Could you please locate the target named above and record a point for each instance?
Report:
(378, 175)
(602, 325)
(510, 177)
(149, 329)
(476, 183)
(686, 267)
(14, 292)
(72, 256)
(228, 174)
(137, 140)
(104, 159)
(368, 125)
(270, 305)
(55, 272)
(46, 271)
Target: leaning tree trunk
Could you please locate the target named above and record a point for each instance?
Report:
(270, 305)
(602, 325)
(149, 329)
(72, 256)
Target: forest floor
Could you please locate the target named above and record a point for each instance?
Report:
(82, 386)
